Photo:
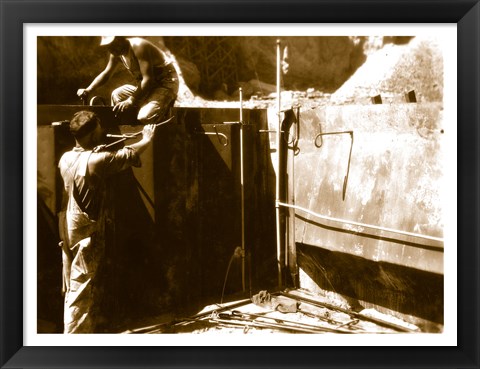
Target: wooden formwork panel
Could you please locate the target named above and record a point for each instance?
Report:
(177, 218)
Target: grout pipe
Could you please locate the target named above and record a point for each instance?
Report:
(133, 135)
(277, 187)
(344, 221)
(242, 190)
(290, 249)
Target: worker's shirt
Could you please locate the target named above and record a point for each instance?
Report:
(84, 174)
(130, 62)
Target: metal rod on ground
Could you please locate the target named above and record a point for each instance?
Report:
(257, 324)
(349, 312)
(222, 308)
(349, 323)
(324, 318)
(242, 191)
(277, 187)
(287, 322)
(193, 318)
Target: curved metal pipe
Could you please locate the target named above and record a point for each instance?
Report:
(345, 179)
(216, 133)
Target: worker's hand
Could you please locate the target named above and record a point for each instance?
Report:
(122, 106)
(99, 148)
(148, 132)
(82, 93)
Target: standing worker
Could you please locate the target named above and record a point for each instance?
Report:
(85, 170)
(155, 75)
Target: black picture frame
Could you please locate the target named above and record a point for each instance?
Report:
(14, 14)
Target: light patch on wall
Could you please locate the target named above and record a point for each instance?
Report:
(358, 249)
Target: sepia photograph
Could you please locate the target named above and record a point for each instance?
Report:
(230, 184)
(243, 185)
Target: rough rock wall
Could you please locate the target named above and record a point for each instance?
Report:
(395, 69)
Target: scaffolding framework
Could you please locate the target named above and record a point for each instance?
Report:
(214, 56)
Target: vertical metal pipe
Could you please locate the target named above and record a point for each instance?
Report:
(277, 188)
(291, 259)
(288, 197)
(242, 192)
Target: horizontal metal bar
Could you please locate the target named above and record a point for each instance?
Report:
(331, 133)
(360, 224)
(269, 131)
(334, 133)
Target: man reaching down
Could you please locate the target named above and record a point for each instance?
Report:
(156, 78)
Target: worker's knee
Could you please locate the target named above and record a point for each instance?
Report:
(152, 113)
(122, 93)
(117, 95)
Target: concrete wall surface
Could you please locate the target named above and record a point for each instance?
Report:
(393, 179)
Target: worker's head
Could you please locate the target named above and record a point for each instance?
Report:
(117, 45)
(85, 127)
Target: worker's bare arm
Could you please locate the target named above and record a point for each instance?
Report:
(148, 134)
(101, 79)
